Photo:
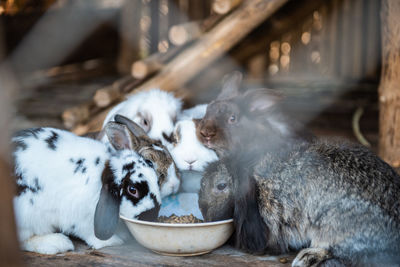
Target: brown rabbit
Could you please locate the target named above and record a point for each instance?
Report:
(255, 116)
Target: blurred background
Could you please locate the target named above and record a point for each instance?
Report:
(65, 63)
(325, 54)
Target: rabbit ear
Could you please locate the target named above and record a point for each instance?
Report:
(119, 136)
(106, 215)
(251, 230)
(260, 100)
(135, 129)
(230, 85)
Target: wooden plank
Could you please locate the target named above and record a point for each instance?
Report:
(389, 88)
(9, 252)
(132, 254)
(129, 32)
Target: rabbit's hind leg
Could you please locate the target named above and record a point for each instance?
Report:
(48, 244)
(315, 257)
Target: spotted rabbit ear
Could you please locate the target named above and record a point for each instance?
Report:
(132, 126)
(262, 99)
(106, 215)
(230, 85)
(119, 136)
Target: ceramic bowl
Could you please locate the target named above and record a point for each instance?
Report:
(180, 239)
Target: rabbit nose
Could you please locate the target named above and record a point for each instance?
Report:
(190, 161)
(207, 133)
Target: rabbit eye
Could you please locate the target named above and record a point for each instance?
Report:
(232, 119)
(133, 191)
(221, 186)
(145, 122)
(149, 163)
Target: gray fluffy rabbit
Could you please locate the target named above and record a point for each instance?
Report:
(336, 202)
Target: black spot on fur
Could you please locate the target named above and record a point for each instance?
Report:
(51, 141)
(19, 144)
(141, 187)
(23, 188)
(79, 165)
(151, 214)
(108, 179)
(140, 175)
(29, 132)
(97, 161)
(129, 167)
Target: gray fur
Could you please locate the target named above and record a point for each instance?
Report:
(337, 198)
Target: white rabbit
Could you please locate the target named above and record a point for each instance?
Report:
(190, 156)
(75, 185)
(154, 110)
(196, 112)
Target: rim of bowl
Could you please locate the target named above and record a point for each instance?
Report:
(176, 224)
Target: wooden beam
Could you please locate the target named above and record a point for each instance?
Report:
(389, 88)
(9, 245)
(224, 6)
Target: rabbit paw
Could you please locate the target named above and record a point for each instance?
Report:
(48, 244)
(97, 243)
(310, 257)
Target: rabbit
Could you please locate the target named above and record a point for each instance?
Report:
(252, 115)
(196, 112)
(156, 155)
(189, 154)
(154, 110)
(336, 202)
(72, 185)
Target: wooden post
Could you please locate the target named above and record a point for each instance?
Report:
(389, 88)
(224, 6)
(110, 94)
(153, 63)
(184, 33)
(9, 245)
(129, 29)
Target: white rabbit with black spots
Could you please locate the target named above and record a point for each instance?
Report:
(154, 110)
(71, 185)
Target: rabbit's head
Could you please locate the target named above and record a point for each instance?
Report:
(235, 120)
(245, 121)
(155, 154)
(227, 191)
(129, 185)
(188, 153)
(216, 193)
(155, 111)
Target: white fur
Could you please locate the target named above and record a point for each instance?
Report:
(190, 156)
(159, 107)
(196, 112)
(171, 185)
(66, 192)
(189, 153)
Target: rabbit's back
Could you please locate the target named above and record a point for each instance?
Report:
(334, 193)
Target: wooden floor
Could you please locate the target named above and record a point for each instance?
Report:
(133, 254)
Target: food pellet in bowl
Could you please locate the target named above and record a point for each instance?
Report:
(179, 219)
